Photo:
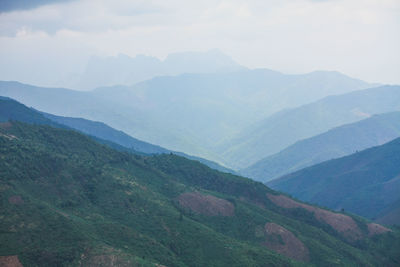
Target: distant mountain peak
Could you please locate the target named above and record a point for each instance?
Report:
(123, 69)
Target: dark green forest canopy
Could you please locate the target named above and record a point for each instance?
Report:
(67, 200)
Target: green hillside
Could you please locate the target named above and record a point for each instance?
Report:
(13, 110)
(69, 201)
(338, 142)
(366, 183)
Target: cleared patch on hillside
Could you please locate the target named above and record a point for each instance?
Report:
(285, 242)
(5, 125)
(376, 229)
(107, 256)
(16, 200)
(10, 261)
(342, 223)
(206, 204)
(107, 260)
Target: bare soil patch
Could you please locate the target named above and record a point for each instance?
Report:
(285, 242)
(5, 125)
(206, 204)
(376, 229)
(342, 223)
(16, 200)
(107, 260)
(106, 256)
(10, 261)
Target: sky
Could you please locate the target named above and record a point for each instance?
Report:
(47, 41)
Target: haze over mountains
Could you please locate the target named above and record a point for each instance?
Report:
(284, 128)
(122, 200)
(194, 113)
(124, 70)
(125, 136)
(335, 143)
(12, 110)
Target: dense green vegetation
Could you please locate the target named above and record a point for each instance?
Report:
(335, 143)
(69, 201)
(365, 183)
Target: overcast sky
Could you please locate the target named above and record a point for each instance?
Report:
(51, 39)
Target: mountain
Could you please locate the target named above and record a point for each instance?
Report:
(366, 183)
(103, 131)
(69, 201)
(124, 70)
(335, 143)
(192, 113)
(286, 127)
(12, 110)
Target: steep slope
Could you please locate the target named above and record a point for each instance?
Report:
(66, 200)
(12, 110)
(335, 143)
(366, 183)
(284, 128)
(103, 131)
(191, 113)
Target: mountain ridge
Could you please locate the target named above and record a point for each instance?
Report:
(102, 206)
(11, 109)
(192, 113)
(365, 183)
(337, 142)
(286, 127)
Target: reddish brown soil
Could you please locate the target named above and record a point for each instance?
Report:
(107, 260)
(342, 223)
(10, 261)
(376, 229)
(5, 125)
(285, 242)
(16, 200)
(206, 204)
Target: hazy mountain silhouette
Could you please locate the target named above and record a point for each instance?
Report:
(192, 113)
(12, 110)
(125, 70)
(285, 128)
(335, 143)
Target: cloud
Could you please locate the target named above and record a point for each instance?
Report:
(357, 37)
(11, 5)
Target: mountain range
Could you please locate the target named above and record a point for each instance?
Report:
(68, 200)
(77, 189)
(198, 114)
(366, 183)
(12, 110)
(125, 70)
(335, 143)
(284, 128)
